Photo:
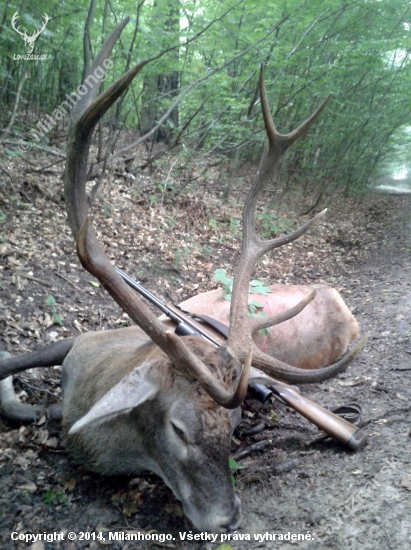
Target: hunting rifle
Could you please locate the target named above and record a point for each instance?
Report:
(334, 425)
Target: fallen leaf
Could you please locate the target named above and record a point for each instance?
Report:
(42, 420)
(28, 486)
(78, 326)
(130, 509)
(52, 442)
(406, 482)
(70, 484)
(22, 462)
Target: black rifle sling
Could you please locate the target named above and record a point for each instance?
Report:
(216, 325)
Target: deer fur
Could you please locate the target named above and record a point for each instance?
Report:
(313, 339)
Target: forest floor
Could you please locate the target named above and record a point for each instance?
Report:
(297, 484)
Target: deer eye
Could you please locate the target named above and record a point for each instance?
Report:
(179, 432)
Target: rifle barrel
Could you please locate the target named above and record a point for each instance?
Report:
(171, 311)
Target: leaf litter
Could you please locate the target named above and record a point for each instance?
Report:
(173, 245)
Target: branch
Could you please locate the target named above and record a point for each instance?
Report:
(15, 107)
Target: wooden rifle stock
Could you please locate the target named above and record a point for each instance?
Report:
(332, 424)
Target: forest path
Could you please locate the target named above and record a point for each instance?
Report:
(346, 500)
(358, 500)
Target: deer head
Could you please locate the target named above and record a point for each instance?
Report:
(29, 40)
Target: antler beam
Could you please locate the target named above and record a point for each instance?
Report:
(92, 256)
(253, 248)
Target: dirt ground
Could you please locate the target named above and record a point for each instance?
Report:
(297, 484)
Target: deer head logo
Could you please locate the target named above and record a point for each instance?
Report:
(29, 40)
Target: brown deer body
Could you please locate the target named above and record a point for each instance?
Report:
(143, 398)
(313, 339)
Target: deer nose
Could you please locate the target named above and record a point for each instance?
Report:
(235, 519)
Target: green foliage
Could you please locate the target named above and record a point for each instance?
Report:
(11, 153)
(54, 498)
(165, 185)
(15, 199)
(359, 51)
(108, 210)
(233, 465)
(51, 302)
(204, 251)
(227, 282)
(271, 225)
(256, 287)
(234, 226)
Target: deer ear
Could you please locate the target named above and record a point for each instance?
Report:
(133, 390)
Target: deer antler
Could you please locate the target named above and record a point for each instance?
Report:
(253, 248)
(84, 117)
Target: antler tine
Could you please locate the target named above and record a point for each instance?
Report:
(253, 248)
(92, 255)
(283, 141)
(290, 374)
(13, 22)
(259, 323)
(229, 400)
(102, 56)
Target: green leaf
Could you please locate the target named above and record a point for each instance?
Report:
(56, 317)
(234, 465)
(94, 283)
(255, 304)
(50, 300)
(108, 210)
(258, 287)
(221, 275)
(11, 153)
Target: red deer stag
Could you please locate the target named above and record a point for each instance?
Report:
(142, 398)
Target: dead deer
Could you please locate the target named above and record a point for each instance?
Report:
(143, 398)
